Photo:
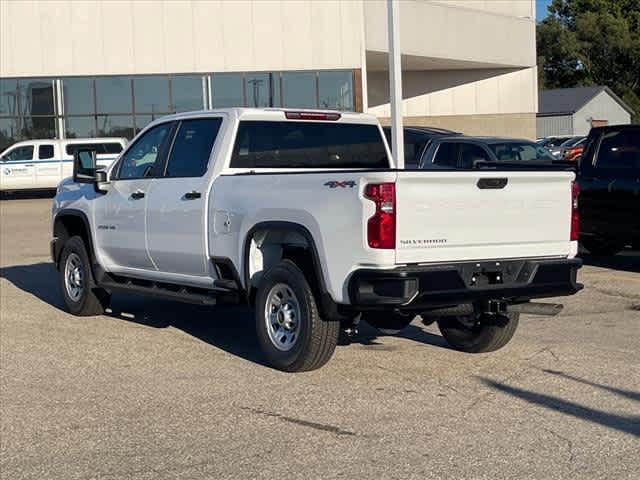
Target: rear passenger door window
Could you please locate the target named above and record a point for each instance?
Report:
(192, 147)
(45, 152)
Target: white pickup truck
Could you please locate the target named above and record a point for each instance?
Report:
(302, 215)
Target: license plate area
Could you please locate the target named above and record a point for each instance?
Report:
(494, 273)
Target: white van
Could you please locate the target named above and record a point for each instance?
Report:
(42, 164)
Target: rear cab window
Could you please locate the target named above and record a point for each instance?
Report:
(308, 144)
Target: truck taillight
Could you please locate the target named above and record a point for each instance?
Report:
(381, 228)
(575, 214)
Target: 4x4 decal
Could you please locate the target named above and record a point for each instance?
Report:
(339, 184)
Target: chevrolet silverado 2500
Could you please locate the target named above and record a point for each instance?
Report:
(302, 215)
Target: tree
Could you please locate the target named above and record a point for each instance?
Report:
(592, 42)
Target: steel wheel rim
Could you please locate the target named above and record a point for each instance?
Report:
(282, 317)
(74, 277)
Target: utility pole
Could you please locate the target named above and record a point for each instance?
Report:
(395, 82)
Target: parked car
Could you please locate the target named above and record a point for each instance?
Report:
(609, 179)
(462, 152)
(572, 153)
(301, 215)
(416, 140)
(42, 164)
(553, 144)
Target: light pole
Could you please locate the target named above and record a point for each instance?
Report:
(395, 82)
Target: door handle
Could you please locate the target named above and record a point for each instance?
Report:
(29, 165)
(192, 195)
(138, 194)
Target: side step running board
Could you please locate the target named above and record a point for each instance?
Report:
(199, 296)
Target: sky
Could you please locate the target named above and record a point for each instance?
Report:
(541, 8)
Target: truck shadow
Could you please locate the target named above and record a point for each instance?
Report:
(627, 260)
(228, 327)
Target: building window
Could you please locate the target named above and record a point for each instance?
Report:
(299, 89)
(78, 96)
(336, 90)
(263, 90)
(123, 105)
(9, 132)
(186, 92)
(27, 109)
(80, 126)
(113, 95)
(227, 90)
(115, 126)
(151, 94)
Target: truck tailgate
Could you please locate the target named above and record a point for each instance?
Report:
(482, 215)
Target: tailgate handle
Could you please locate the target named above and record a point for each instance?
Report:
(492, 183)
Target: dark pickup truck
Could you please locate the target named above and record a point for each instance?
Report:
(609, 180)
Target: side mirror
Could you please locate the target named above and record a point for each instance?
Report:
(84, 166)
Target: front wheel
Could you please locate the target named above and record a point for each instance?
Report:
(290, 331)
(80, 295)
(479, 333)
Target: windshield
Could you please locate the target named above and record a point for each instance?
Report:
(520, 151)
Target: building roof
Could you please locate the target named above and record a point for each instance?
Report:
(567, 101)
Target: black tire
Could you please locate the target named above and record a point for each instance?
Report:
(388, 323)
(479, 335)
(91, 300)
(315, 338)
(601, 246)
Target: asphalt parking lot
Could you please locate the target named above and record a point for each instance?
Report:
(161, 390)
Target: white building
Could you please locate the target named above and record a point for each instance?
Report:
(106, 67)
(573, 111)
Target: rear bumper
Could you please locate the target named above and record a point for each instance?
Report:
(453, 284)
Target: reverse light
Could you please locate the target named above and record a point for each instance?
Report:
(575, 214)
(312, 116)
(381, 227)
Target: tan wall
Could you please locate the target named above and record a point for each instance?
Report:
(101, 37)
(442, 30)
(457, 92)
(510, 8)
(515, 125)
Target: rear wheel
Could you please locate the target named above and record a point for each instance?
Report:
(290, 331)
(388, 323)
(601, 246)
(80, 296)
(479, 333)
